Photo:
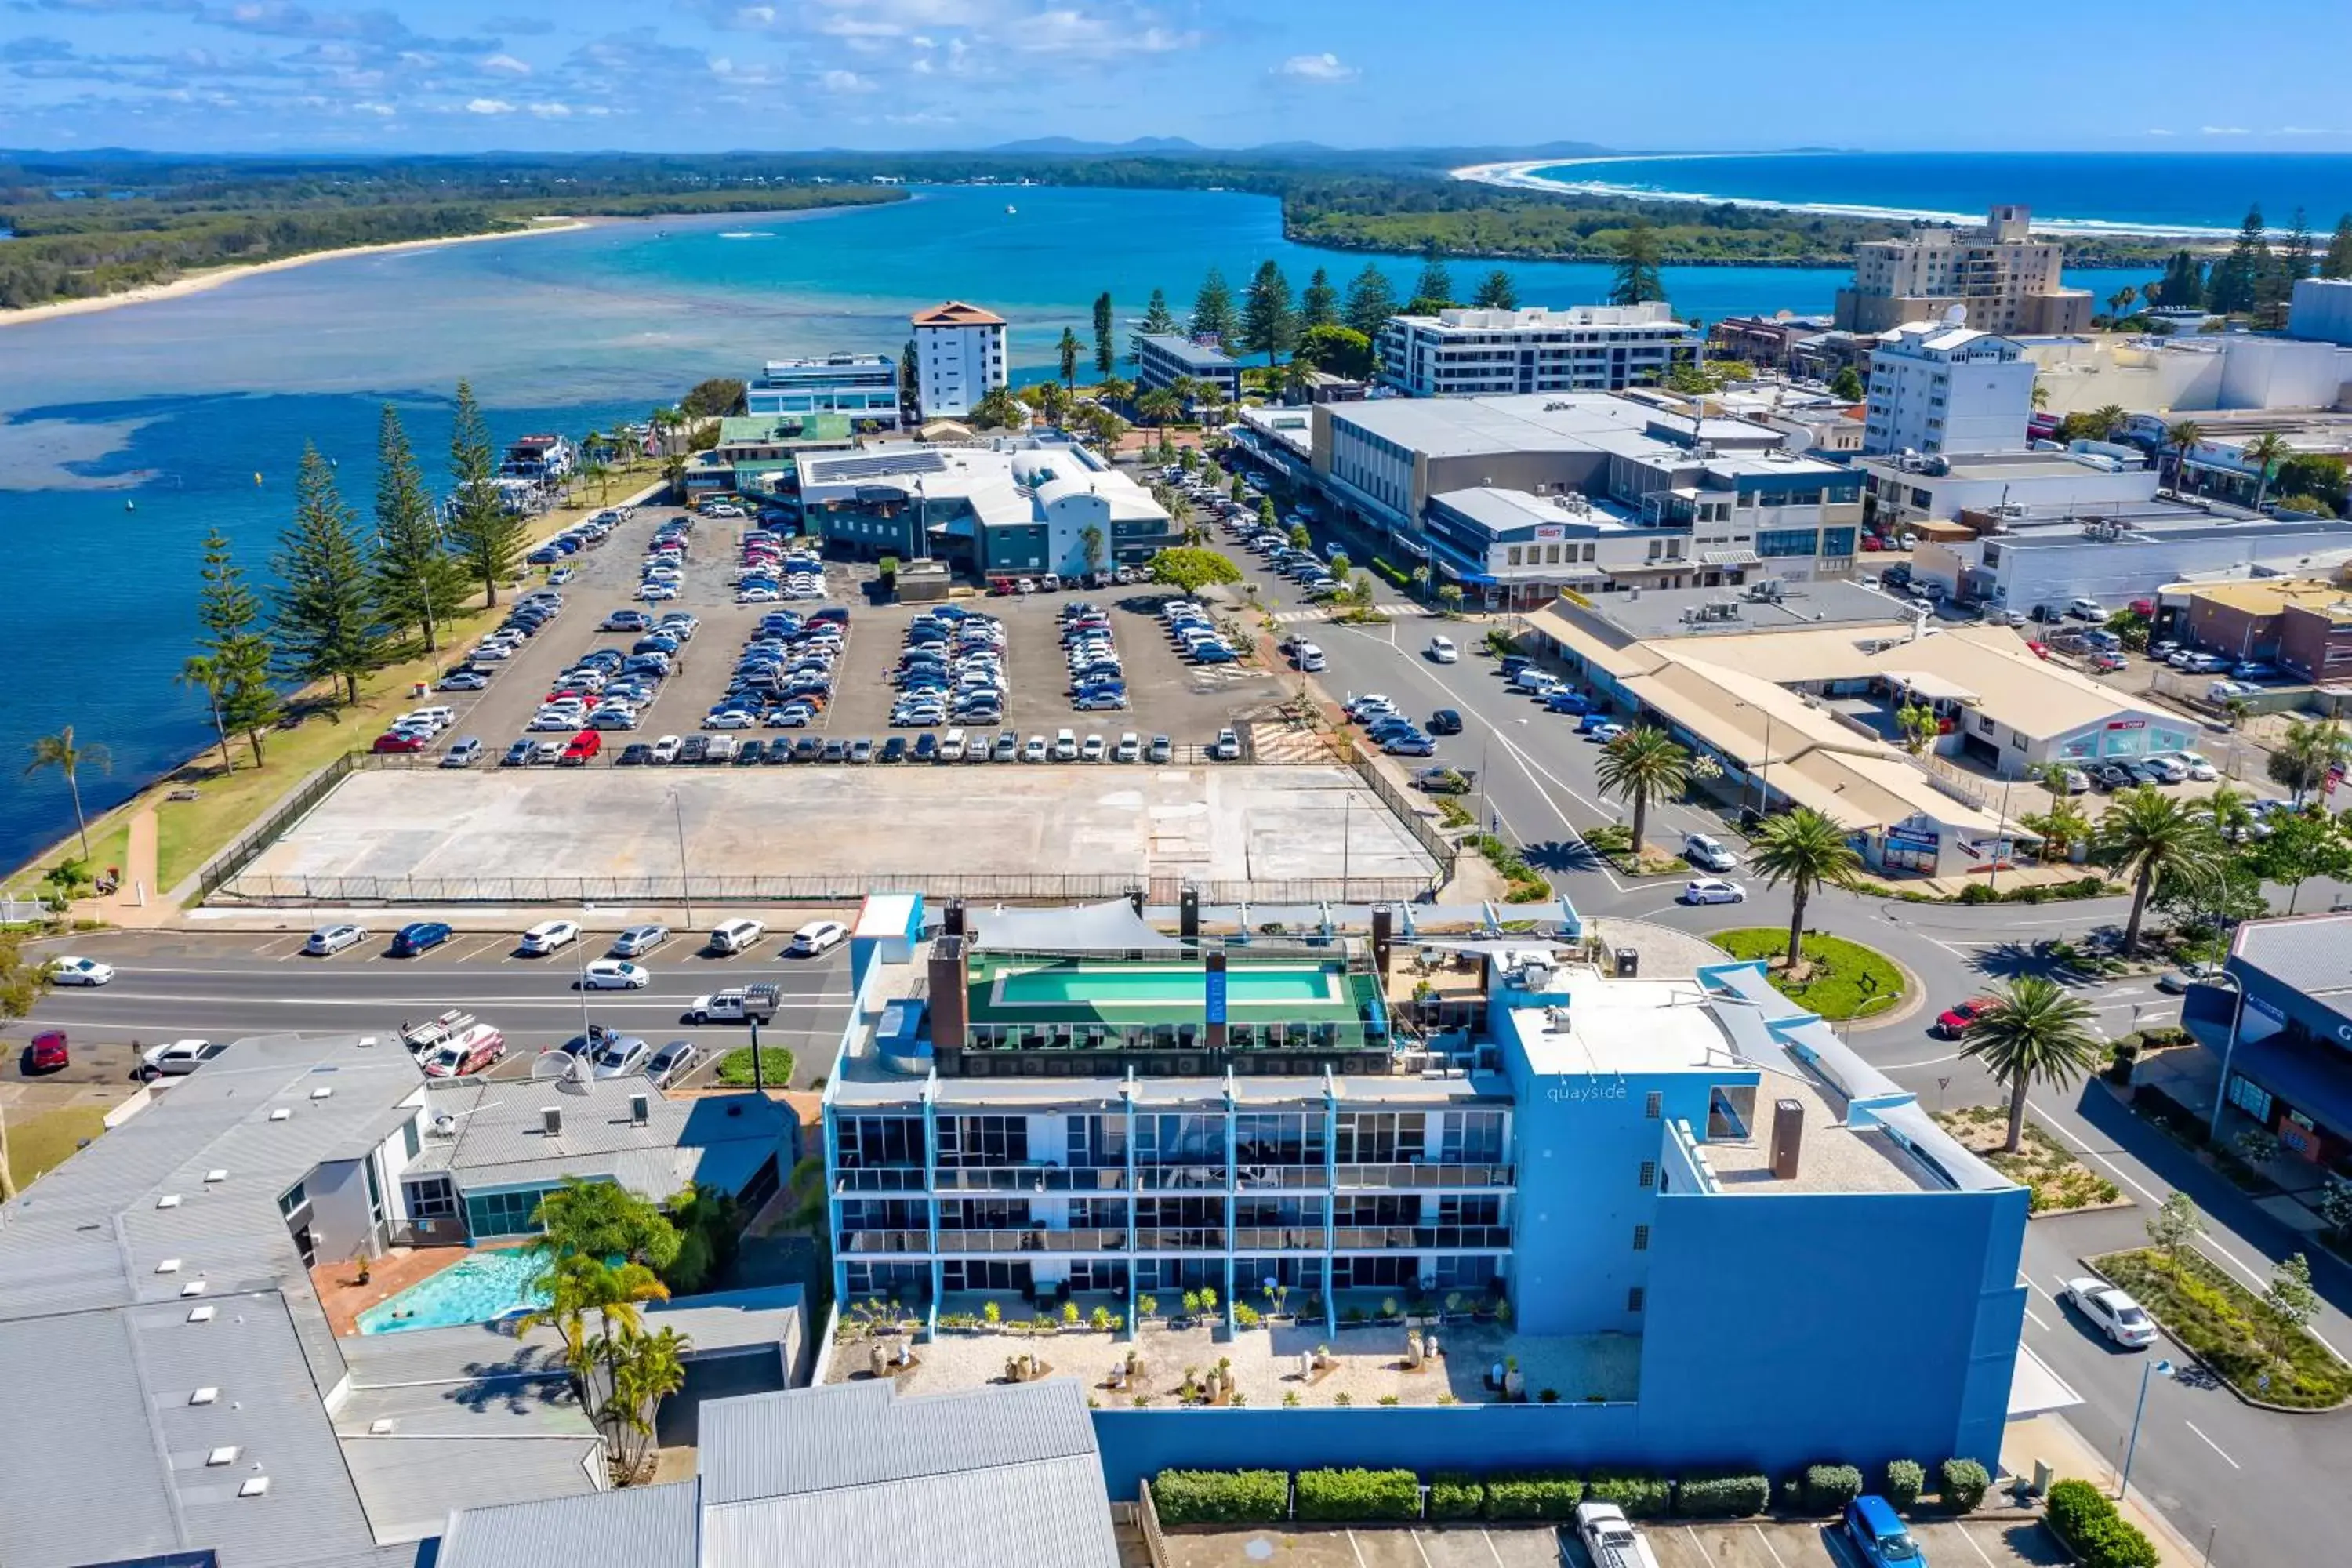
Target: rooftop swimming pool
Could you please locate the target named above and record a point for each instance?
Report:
(478, 1288)
(1147, 986)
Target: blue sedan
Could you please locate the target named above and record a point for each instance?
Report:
(419, 937)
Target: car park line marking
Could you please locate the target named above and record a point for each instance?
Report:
(2026, 1281)
(2034, 1319)
(1414, 1536)
(2212, 1444)
(1974, 1546)
(1768, 1546)
(1355, 1550)
(1492, 1550)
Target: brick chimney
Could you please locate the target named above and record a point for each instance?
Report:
(1788, 1137)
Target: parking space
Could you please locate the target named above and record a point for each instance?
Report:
(2019, 1543)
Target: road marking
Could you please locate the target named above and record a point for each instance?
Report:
(1414, 1536)
(1928, 1062)
(1767, 1545)
(2046, 1295)
(2212, 1444)
(1354, 1550)
(1492, 1550)
(2036, 1320)
(1972, 1542)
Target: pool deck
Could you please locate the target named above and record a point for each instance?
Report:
(344, 1297)
(1118, 999)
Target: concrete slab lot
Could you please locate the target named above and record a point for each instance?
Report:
(444, 832)
(2014, 1542)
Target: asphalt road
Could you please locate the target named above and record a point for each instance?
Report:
(173, 984)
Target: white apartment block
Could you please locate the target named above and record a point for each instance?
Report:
(2007, 280)
(864, 388)
(959, 358)
(1586, 348)
(1942, 387)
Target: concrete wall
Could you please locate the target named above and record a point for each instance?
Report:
(338, 1207)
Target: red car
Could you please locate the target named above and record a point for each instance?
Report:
(394, 743)
(1953, 1021)
(47, 1052)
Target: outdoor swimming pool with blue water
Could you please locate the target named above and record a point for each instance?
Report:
(476, 1289)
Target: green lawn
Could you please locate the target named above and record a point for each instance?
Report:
(37, 1143)
(775, 1066)
(1847, 980)
(2230, 1330)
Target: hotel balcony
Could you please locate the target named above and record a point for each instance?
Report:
(850, 1181)
(1421, 1176)
(1278, 1238)
(868, 1243)
(1036, 1238)
(1422, 1238)
(1185, 1238)
(1181, 1178)
(1254, 1178)
(1032, 1178)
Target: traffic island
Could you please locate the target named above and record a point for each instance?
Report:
(2266, 1359)
(1837, 978)
(2058, 1181)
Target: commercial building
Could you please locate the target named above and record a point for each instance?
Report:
(1765, 341)
(2165, 377)
(2007, 280)
(2321, 309)
(1901, 489)
(959, 358)
(1937, 387)
(2301, 624)
(1705, 499)
(2281, 1034)
(1162, 359)
(1017, 505)
(1071, 1105)
(1484, 354)
(861, 387)
(180, 1392)
(853, 1475)
(758, 455)
(539, 459)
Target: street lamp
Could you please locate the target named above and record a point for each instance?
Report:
(2229, 1049)
(685, 890)
(2149, 1370)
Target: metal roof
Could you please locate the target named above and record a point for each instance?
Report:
(499, 1136)
(643, 1527)
(2310, 954)
(861, 1434)
(411, 1485)
(1051, 1514)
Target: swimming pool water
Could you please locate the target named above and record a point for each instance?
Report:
(1163, 985)
(475, 1290)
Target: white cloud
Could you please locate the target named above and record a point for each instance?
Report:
(846, 81)
(507, 64)
(1317, 68)
(756, 15)
(2221, 130)
(552, 110)
(2159, 132)
(385, 109)
(2307, 131)
(489, 106)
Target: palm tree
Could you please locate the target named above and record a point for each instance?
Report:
(203, 672)
(1069, 348)
(651, 1367)
(2146, 836)
(2109, 418)
(2180, 436)
(2311, 750)
(1640, 766)
(2040, 394)
(2036, 1033)
(567, 1309)
(62, 752)
(2266, 452)
(2232, 811)
(1158, 406)
(1114, 389)
(1806, 849)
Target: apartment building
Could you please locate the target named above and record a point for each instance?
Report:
(1162, 359)
(1072, 1106)
(1585, 348)
(959, 358)
(1943, 387)
(864, 388)
(2007, 280)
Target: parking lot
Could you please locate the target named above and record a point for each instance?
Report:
(2013, 1543)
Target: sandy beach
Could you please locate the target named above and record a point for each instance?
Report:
(214, 277)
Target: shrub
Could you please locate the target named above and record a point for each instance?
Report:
(1829, 1488)
(1642, 1496)
(1533, 1494)
(1963, 1485)
(1220, 1497)
(1728, 1495)
(2089, 1527)
(1453, 1495)
(1343, 1495)
(1905, 1479)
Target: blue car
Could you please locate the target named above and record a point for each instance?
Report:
(1593, 718)
(1566, 701)
(420, 936)
(1879, 1535)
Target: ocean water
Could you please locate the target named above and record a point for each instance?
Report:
(2173, 192)
(175, 407)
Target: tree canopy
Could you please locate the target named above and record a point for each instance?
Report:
(1190, 568)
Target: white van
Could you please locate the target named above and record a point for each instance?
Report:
(736, 936)
(951, 746)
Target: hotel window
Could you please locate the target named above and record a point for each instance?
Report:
(1511, 557)
(1641, 1238)
(1634, 1299)
(431, 1198)
(1654, 1105)
(1649, 1174)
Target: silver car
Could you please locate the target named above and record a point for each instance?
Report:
(638, 941)
(673, 1063)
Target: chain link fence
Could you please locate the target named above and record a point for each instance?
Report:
(815, 887)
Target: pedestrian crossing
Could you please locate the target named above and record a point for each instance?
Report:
(1288, 618)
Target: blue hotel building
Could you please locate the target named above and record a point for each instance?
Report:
(1752, 1246)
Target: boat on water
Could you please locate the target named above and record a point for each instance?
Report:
(1010, 209)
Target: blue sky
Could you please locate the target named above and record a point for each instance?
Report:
(693, 74)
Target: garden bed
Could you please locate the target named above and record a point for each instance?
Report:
(2059, 1183)
(2229, 1329)
(775, 1068)
(1843, 979)
(1614, 842)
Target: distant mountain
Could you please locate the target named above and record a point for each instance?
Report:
(1071, 144)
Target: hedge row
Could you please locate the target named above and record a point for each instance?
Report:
(2092, 1529)
(1257, 1497)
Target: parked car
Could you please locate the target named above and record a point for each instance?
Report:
(47, 1052)
(735, 936)
(1713, 890)
(818, 937)
(1953, 1021)
(547, 936)
(2111, 1311)
(328, 940)
(1706, 852)
(419, 937)
(468, 1052)
(635, 941)
(71, 971)
(463, 753)
(178, 1058)
(672, 1063)
(1879, 1535)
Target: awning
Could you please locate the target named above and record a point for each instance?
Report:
(1110, 927)
(1729, 558)
(954, 528)
(2035, 1390)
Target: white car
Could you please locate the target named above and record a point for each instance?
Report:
(818, 936)
(2111, 1311)
(1091, 750)
(79, 972)
(1130, 750)
(333, 939)
(616, 974)
(1706, 852)
(547, 936)
(1443, 651)
(1713, 890)
(178, 1058)
(665, 749)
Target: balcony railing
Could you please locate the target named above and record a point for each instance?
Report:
(1032, 1178)
(1090, 1240)
(1256, 1177)
(873, 1241)
(1179, 1178)
(1189, 1239)
(1418, 1176)
(880, 1179)
(1420, 1238)
(1278, 1238)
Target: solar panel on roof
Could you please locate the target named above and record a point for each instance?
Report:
(880, 465)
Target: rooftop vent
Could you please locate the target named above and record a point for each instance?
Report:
(204, 1395)
(324, 1091)
(253, 1486)
(168, 1201)
(200, 1314)
(215, 1175)
(169, 1266)
(551, 1120)
(282, 1113)
(641, 1110)
(381, 1426)
(192, 1287)
(224, 1455)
